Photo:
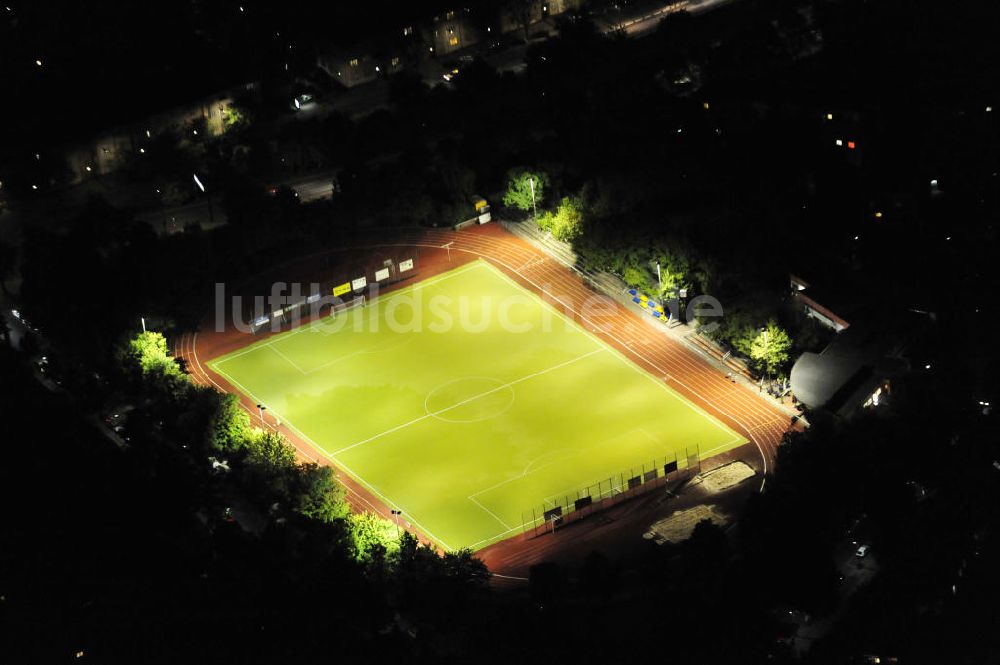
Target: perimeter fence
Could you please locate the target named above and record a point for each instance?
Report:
(566, 507)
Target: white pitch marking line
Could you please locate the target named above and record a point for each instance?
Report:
(287, 359)
(573, 453)
(287, 334)
(477, 252)
(623, 359)
(194, 353)
(468, 400)
(376, 348)
(497, 518)
(357, 477)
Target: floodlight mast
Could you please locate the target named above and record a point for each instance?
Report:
(534, 210)
(201, 186)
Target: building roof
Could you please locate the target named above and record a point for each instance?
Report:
(854, 364)
(818, 378)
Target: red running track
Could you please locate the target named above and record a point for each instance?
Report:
(649, 346)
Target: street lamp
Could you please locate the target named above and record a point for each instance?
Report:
(261, 409)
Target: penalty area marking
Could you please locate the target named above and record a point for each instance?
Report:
(592, 333)
(495, 516)
(318, 323)
(371, 488)
(478, 253)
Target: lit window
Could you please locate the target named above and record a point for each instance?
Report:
(450, 15)
(453, 41)
(407, 31)
(851, 145)
(353, 62)
(395, 62)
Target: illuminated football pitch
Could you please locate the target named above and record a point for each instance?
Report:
(465, 400)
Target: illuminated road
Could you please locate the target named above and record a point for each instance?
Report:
(60, 205)
(639, 23)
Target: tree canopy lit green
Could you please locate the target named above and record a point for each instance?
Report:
(566, 223)
(769, 348)
(519, 189)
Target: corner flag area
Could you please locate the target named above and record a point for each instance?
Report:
(464, 400)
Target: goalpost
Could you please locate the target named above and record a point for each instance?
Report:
(354, 303)
(284, 315)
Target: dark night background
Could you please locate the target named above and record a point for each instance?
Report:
(734, 179)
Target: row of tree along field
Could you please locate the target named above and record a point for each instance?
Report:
(651, 266)
(263, 460)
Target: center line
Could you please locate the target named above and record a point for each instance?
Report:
(467, 400)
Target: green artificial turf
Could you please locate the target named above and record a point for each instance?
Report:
(467, 427)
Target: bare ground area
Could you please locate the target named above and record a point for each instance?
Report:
(679, 526)
(726, 476)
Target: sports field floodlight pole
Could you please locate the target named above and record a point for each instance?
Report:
(143, 319)
(261, 409)
(447, 246)
(767, 354)
(534, 210)
(396, 514)
(201, 186)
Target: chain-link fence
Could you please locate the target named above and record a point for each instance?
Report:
(565, 507)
